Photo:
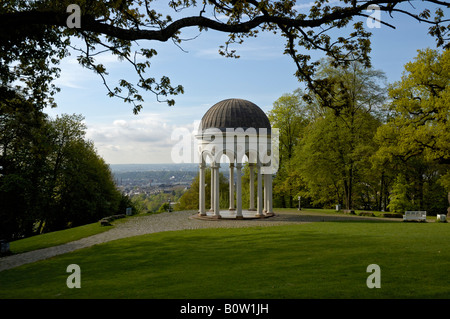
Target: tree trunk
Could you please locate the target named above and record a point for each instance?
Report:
(380, 204)
(350, 187)
(283, 201)
(386, 198)
(290, 199)
(448, 209)
(346, 195)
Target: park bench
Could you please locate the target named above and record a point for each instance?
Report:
(415, 215)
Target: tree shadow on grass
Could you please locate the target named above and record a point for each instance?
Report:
(302, 217)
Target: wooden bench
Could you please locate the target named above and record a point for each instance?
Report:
(415, 215)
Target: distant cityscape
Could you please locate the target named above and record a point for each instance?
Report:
(148, 179)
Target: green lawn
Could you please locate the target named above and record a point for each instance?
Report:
(56, 238)
(315, 260)
(61, 237)
(68, 235)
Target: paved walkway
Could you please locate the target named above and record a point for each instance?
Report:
(159, 223)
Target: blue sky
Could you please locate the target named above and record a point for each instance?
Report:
(261, 75)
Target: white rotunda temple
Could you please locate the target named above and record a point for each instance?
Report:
(241, 131)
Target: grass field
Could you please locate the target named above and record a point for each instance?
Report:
(56, 238)
(61, 237)
(315, 260)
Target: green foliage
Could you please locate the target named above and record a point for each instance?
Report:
(399, 199)
(23, 141)
(416, 137)
(419, 123)
(434, 199)
(289, 116)
(150, 203)
(34, 37)
(124, 203)
(189, 200)
(164, 208)
(334, 163)
(354, 146)
(33, 52)
(245, 186)
(51, 177)
(331, 159)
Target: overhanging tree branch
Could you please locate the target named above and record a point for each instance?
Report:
(93, 24)
(118, 23)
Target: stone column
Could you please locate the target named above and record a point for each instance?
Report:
(270, 196)
(238, 192)
(231, 182)
(201, 190)
(448, 209)
(251, 167)
(259, 198)
(216, 190)
(212, 187)
(264, 176)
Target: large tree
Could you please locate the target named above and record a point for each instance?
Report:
(333, 160)
(420, 114)
(81, 186)
(289, 116)
(51, 177)
(340, 136)
(24, 148)
(35, 35)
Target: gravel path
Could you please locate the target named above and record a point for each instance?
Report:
(159, 223)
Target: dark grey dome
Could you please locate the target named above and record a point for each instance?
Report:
(234, 113)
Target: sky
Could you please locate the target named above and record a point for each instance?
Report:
(262, 74)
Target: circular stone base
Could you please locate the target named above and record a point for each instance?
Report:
(231, 215)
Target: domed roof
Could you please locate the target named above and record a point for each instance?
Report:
(234, 113)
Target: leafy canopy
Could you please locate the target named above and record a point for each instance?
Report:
(34, 36)
(420, 112)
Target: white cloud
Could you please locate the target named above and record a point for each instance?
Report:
(251, 51)
(120, 123)
(107, 59)
(73, 75)
(146, 139)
